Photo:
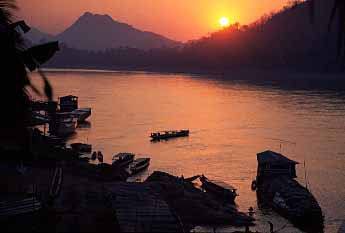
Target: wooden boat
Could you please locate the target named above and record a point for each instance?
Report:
(100, 156)
(39, 119)
(81, 147)
(81, 113)
(277, 187)
(169, 134)
(62, 124)
(122, 159)
(139, 165)
(227, 194)
(70, 104)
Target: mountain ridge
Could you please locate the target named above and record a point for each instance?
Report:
(103, 32)
(97, 32)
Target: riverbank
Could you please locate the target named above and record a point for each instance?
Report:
(84, 201)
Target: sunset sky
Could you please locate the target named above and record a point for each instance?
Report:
(177, 19)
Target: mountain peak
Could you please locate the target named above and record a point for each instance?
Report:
(103, 32)
(89, 16)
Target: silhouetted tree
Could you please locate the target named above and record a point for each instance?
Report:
(338, 12)
(15, 58)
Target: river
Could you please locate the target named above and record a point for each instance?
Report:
(230, 120)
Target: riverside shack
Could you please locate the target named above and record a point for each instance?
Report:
(68, 103)
(273, 164)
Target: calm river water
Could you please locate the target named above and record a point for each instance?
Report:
(230, 122)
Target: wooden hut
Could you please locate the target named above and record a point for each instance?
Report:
(68, 103)
(273, 164)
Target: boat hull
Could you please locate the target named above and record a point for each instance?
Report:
(291, 200)
(64, 129)
(122, 163)
(169, 134)
(139, 165)
(82, 114)
(223, 193)
(140, 168)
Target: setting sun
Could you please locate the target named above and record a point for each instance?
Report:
(224, 22)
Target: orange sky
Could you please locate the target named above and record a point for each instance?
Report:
(177, 19)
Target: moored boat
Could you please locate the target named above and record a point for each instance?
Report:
(277, 187)
(122, 159)
(82, 113)
(62, 124)
(227, 194)
(169, 134)
(70, 104)
(81, 147)
(139, 165)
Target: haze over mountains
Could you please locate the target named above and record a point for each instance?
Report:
(100, 32)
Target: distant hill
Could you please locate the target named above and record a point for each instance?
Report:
(284, 40)
(36, 36)
(101, 32)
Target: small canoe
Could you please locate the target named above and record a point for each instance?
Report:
(139, 165)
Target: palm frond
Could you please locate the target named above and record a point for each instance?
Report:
(6, 10)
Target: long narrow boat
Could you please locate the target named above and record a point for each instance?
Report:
(139, 165)
(123, 159)
(169, 134)
(227, 194)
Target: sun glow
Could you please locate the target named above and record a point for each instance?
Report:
(224, 21)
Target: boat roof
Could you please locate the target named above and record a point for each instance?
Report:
(274, 157)
(68, 96)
